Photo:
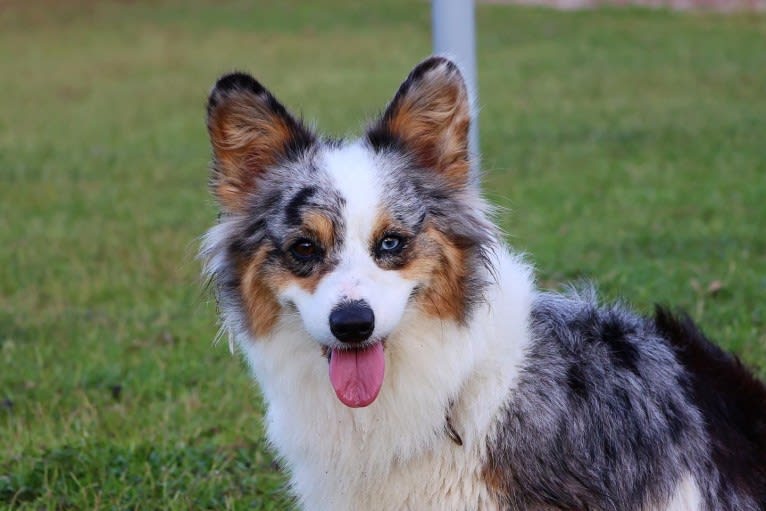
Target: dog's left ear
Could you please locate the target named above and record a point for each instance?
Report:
(429, 119)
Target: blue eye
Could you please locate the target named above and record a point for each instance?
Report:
(390, 244)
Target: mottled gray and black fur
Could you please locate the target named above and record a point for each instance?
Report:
(612, 410)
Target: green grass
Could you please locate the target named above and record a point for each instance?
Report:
(629, 145)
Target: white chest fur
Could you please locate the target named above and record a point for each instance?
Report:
(395, 454)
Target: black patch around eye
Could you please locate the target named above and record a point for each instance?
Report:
(305, 250)
(303, 256)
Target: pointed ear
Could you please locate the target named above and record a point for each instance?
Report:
(429, 118)
(250, 131)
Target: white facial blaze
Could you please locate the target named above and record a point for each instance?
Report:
(357, 276)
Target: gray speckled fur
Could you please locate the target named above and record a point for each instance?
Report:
(610, 411)
(600, 418)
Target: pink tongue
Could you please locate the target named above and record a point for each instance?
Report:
(356, 375)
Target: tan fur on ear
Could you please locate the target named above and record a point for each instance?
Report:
(250, 131)
(430, 116)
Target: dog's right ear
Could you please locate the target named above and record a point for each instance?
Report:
(250, 131)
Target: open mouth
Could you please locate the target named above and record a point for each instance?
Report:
(356, 375)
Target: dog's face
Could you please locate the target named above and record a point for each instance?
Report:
(349, 234)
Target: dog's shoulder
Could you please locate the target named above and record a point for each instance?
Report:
(608, 342)
(607, 411)
(600, 394)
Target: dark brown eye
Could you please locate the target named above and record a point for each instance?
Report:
(304, 250)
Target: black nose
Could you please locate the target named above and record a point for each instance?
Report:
(352, 321)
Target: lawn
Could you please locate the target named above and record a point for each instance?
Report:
(627, 147)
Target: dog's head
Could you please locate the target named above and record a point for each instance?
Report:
(351, 234)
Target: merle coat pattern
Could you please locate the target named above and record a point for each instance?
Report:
(483, 392)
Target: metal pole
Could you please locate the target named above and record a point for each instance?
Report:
(454, 35)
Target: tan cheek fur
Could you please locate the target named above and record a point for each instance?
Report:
(261, 305)
(441, 267)
(284, 278)
(259, 292)
(260, 287)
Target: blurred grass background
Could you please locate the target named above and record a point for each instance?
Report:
(629, 145)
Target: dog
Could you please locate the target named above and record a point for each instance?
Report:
(407, 359)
